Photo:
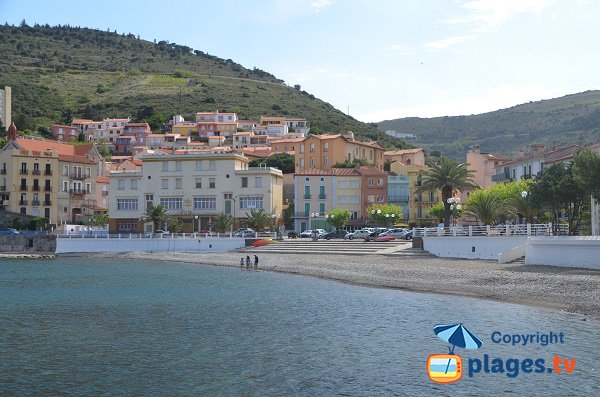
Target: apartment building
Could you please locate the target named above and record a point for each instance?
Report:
(64, 133)
(406, 156)
(195, 187)
(483, 165)
(293, 124)
(324, 151)
(48, 178)
(419, 204)
(108, 130)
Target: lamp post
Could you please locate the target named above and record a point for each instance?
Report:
(454, 205)
(196, 218)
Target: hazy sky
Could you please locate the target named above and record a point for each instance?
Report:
(379, 59)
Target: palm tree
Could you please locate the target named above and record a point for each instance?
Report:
(156, 214)
(522, 205)
(485, 206)
(258, 219)
(446, 175)
(222, 222)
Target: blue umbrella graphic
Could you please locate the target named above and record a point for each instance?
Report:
(457, 335)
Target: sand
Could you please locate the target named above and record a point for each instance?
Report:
(568, 289)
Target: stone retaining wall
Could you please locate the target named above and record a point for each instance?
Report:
(16, 244)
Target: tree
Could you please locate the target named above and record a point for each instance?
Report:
(385, 214)
(351, 164)
(387, 164)
(437, 211)
(156, 214)
(288, 215)
(282, 161)
(338, 218)
(98, 220)
(258, 219)
(586, 172)
(222, 222)
(485, 206)
(447, 176)
(174, 224)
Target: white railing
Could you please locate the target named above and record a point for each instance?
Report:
(544, 229)
(165, 235)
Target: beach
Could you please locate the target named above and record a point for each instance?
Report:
(566, 289)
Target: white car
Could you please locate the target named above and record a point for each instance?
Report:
(244, 232)
(396, 232)
(309, 233)
(362, 233)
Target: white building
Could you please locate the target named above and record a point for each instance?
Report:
(195, 187)
(6, 107)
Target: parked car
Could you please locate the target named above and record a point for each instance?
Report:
(292, 234)
(244, 232)
(306, 233)
(362, 233)
(396, 232)
(164, 233)
(341, 233)
(8, 232)
(309, 233)
(408, 236)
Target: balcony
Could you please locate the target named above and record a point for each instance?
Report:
(23, 188)
(3, 171)
(47, 202)
(398, 198)
(75, 175)
(104, 193)
(307, 196)
(322, 196)
(36, 188)
(2, 188)
(48, 172)
(504, 176)
(301, 215)
(47, 188)
(36, 172)
(35, 202)
(23, 172)
(77, 191)
(22, 202)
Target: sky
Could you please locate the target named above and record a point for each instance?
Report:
(373, 59)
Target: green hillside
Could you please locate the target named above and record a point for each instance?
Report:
(57, 73)
(554, 122)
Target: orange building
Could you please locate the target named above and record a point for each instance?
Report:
(324, 151)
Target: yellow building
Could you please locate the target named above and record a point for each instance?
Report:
(185, 129)
(419, 203)
(324, 151)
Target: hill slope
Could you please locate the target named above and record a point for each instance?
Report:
(62, 72)
(554, 122)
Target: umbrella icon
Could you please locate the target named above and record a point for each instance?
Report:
(457, 335)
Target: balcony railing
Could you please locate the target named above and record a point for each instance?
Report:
(35, 202)
(75, 175)
(2, 188)
(3, 171)
(78, 191)
(23, 172)
(22, 202)
(104, 193)
(307, 196)
(47, 202)
(301, 215)
(48, 172)
(35, 188)
(505, 176)
(322, 196)
(23, 187)
(398, 198)
(36, 172)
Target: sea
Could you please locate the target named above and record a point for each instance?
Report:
(111, 327)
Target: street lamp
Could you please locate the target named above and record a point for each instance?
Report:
(524, 194)
(196, 217)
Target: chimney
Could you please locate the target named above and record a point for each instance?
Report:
(12, 132)
(349, 135)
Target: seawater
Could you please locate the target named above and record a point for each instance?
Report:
(79, 326)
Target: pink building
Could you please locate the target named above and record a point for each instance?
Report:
(64, 133)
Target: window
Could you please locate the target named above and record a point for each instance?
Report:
(312, 147)
(258, 182)
(313, 162)
(306, 209)
(353, 215)
(178, 183)
(302, 163)
(127, 204)
(149, 200)
(165, 166)
(326, 147)
(205, 203)
(65, 186)
(65, 170)
(171, 203)
(88, 172)
(322, 208)
(36, 168)
(244, 181)
(379, 199)
(88, 187)
(371, 198)
(302, 148)
(211, 183)
(212, 165)
(251, 202)
(126, 226)
(134, 184)
(198, 183)
(199, 165)
(165, 183)
(380, 182)
(178, 166)
(121, 184)
(326, 160)
(371, 182)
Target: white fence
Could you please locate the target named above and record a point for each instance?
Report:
(544, 229)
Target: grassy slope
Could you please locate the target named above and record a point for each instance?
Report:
(59, 72)
(554, 122)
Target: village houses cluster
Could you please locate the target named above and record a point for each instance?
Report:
(200, 169)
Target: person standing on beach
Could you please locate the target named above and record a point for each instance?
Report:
(255, 262)
(242, 263)
(248, 262)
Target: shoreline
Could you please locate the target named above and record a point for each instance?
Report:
(569, 290)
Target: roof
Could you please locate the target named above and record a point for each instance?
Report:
(364, 170)
(137, 125)
(83, 121)
(287, 140)
(330, 172)
(404, 151)
(72, 153)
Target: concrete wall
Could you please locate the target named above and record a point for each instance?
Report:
(471, 247)
(125, 244)
(564, 251)
(15, 244)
